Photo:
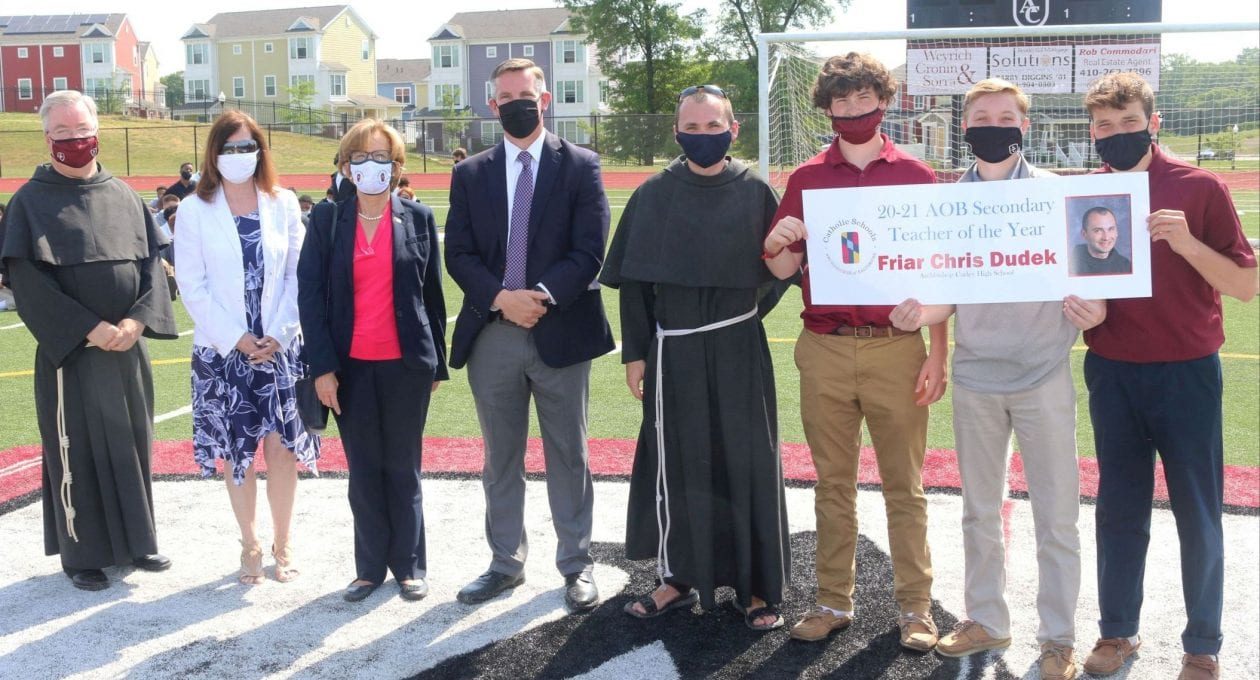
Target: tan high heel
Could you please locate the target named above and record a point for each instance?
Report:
(285, 571)
(251, 564)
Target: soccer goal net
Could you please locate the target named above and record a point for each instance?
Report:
(1207, 82)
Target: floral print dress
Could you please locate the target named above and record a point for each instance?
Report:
(236, 404)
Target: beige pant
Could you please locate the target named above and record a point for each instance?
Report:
(843, 380)
(1044, 419)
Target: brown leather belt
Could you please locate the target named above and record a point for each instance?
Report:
(870, 331)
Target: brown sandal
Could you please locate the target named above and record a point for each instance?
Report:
(285, 571)
(251, 564)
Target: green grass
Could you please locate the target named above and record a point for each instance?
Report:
(614, 413)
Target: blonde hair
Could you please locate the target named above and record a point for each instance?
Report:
(356, 139)
(995, 86)
(62, 98)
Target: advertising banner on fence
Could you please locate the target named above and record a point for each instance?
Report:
(976, 242)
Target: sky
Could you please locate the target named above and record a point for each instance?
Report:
(403, 27)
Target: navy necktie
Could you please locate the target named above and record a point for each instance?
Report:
(518, 236)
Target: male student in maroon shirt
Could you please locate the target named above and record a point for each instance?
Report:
(1154, 380)
(856, 365)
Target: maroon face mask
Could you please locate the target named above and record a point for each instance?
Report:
(858, 129)
(76, 152)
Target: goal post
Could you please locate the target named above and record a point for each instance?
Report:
(1206, 77)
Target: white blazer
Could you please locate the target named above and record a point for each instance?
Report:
(211, 272)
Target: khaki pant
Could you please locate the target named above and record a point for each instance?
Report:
(843, 380)
(1044, 419)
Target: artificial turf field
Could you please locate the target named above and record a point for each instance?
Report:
(196, 621)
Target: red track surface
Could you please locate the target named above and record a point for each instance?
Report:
(20, 467)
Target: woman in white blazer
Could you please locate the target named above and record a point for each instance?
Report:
(239, 240)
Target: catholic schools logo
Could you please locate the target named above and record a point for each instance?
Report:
(1030, 12)
(849, 246)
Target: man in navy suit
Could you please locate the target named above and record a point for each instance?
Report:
(525, 240)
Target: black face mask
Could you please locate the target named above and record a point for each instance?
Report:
(185, 175)
(519, 117)
(993, 144)
(704, 150)
(1123, 151)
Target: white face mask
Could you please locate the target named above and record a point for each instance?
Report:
(237, 167)
(371, 177)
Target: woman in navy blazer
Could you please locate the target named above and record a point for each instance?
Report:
(238, 252)
(373, 320)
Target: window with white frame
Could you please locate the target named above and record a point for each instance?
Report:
(237, 49)
(492, 51)
(197, 90)
(570, 52)
(294, 80)
(603, 92)
(445, 56)
(97, 87)
(197, 53)
(336, 85)
(365, 48)
(920, 102)
(238, 87)
(269, 86)
(446, 96)
(95, 53)
(299, 48)
(23, 53)
(569, 92)
(269, 47)
(489, 90)
(527, 50)
(60, 84)
(571, 130)
(25, 90)
(491, 132)
(402, 95)
(59, 51)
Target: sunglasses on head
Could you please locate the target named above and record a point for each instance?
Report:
(708, 89)
(242, 146)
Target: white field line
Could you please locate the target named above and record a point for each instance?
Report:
(184, 334)
(20, 466)
(181, 411)
(12, 326)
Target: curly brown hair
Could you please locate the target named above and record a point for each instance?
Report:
(841, 76)
(1116, 90)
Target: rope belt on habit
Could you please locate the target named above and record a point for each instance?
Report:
(662, 482)
(63, 440)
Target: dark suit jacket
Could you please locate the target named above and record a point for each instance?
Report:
(345, 191)
(568, 227)
(326, 287)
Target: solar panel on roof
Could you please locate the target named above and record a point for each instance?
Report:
(96, 19)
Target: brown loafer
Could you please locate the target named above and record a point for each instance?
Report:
(918, 632)
(819, 624)
(967, 638)
(1056, 662)
(1109, 655)
(1199, 667)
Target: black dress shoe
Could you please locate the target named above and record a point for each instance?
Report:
(358, 593)
(580, 593)
(152, 563)
(416, 590)
(487, 586)
(87, 579)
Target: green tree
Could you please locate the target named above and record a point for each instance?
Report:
(174, 84)
(300, 109)
(646, 48)
(741, 20)
(455, 120)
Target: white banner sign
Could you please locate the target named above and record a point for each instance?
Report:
(1096, 61)
(944, 71)
(1034, 69)
(1009, 241)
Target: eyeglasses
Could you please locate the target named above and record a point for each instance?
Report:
(708, 89)
(242, 146)
(378, 156)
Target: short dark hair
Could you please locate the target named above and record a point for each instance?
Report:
(161, 189)
(1096, 210)
(841, 76)
(1116, 90)
(189, 164)
(305, 199)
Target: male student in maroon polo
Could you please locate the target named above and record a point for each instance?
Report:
(1154, 380)
(855, 364)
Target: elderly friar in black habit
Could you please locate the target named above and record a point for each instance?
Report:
(82, 254)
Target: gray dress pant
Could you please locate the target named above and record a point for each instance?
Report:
(505, 371)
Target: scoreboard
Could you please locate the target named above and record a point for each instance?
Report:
(968, 13)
